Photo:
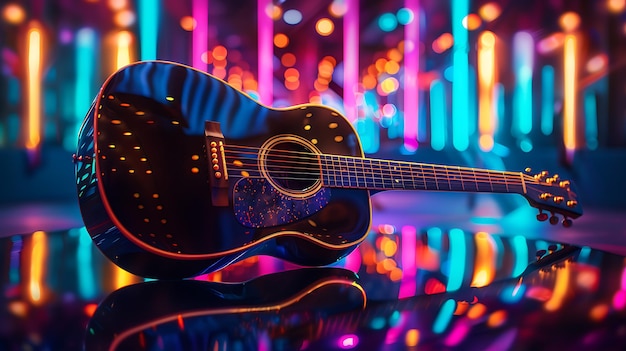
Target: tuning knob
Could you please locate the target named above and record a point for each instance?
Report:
(567, 222)
(540, 254)
(554, 220)
(542, 216)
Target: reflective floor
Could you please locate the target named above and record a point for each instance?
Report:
(407, 287)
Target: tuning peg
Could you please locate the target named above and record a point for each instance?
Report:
(528, 170)
(552, 248)
(540, 254)
(541, 217)
(554, 219)
(567, 222)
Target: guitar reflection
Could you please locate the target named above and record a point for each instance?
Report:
(193, 315)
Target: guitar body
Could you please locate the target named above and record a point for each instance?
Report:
(143, 177)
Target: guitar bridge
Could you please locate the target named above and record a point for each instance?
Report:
(218, 173)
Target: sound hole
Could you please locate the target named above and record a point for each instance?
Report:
(292, 167)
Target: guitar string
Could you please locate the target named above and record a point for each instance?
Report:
(371, 170)
(294, 154)
(454, 170)
(370, 173)
(373, 175)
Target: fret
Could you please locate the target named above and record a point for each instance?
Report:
(376, 182)
(505, 182)
(483, 182)
(448, 178)
(337, 167)
(363, 173)
(455, 178)
(423, 177)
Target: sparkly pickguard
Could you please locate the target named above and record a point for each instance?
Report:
(257, 204)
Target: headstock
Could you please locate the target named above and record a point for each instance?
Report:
(554, 195)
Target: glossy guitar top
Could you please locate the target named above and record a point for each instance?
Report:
(178, 174)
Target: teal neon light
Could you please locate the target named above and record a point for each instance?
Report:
(460, 60)
(444, 316)
(547, 100)
(85, 77)
(591, 120)
(456, 259)
(520, 249)
(437, 115)
(149, 28)
(523, 47)
(84, 264)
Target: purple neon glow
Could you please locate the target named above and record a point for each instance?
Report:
(266, 52)
(350, 58)
(408, 283)
(200, 34)
(411, 68)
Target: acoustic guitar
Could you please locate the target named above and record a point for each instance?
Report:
(179, 174)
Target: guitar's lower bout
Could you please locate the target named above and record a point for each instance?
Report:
(143, 183)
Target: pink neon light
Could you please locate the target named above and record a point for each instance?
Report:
(411, 68)
(408, 284)
(350, 58)
(266, 52)
(200, 34)
(353, 261)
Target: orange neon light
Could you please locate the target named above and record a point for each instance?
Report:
(560, 288)
(484, 271)
(124, 40)
(37, 260)
(123, 278)
(486, 90)
(33, 76)
(570, 87)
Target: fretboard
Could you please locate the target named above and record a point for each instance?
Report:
(376, 174)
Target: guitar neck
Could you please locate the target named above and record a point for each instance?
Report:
(376, 174)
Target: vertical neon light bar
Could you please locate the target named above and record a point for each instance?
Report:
(485, 260)
(486, 85)
(460, 135)
(266, 51)
(33, 87)
(437, 115)
(124, 41)
(84, 265)
(411, 68)
(523, 48)
(520, 249)
(408, 285)
(200, 34)
(85, 76)
(350, 58)
(570, 86)
(149, 28)
(547, 100)
(37, 264)
(457, 254)
(591, 120)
